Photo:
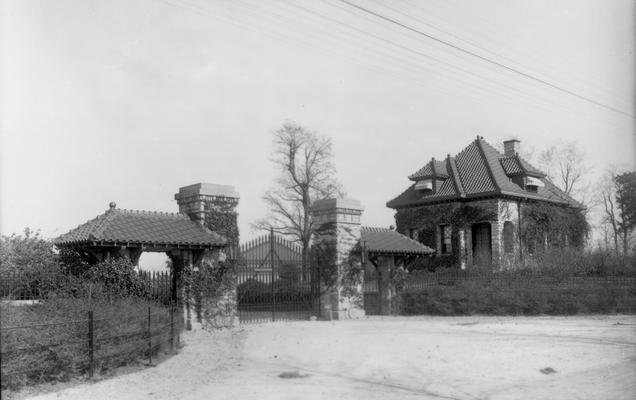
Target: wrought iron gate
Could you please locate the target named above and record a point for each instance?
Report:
(274, 283)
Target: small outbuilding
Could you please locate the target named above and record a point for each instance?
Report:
(484, 208)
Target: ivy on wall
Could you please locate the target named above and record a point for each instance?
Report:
(224, 224)
(561, 226)
(427, 219)
(347, 277)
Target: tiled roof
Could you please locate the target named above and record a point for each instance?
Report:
(434, 168)
(381, 240)
(141, 227)
(516, 165)
(479, 170)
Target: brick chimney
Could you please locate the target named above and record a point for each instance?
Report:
(511, 147)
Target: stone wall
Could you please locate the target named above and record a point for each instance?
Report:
(214, 207)
(461, 216)
(336, 224)
(508, 211)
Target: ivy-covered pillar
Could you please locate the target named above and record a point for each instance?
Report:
(463, 250)
(214, 207)
(336, 229)
(179, 286)
(387, 290)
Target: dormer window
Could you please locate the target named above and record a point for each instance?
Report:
(533, 184)
(424, 187)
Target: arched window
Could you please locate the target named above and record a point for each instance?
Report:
(508, 237)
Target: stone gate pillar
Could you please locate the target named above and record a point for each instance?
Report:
(214, 207)
(336, 229)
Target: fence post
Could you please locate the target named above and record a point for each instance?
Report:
(91, 345)
(149, 340)
(271, 256)
(171, 328)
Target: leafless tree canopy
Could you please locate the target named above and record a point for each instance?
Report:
(307, 174)
(619, 203)
(565, 165)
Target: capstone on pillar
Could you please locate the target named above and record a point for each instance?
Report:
(213, 206)
(336, 228)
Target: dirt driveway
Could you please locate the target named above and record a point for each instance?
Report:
(590, 357)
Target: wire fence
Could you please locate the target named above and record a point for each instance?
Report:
(62, 349)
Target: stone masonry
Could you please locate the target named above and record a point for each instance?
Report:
(501, 211)
(337, 223)
(214, 207)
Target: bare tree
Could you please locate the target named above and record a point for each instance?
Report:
(567, 168)
(565, 165)
(307, 174)
(619, 201)
(610, 216)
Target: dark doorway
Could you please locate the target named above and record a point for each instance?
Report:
(482, 244)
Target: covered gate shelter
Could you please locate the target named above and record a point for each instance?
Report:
(129, 233)
(384, 251)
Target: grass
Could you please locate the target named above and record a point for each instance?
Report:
(50, 341)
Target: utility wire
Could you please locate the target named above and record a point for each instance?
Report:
(398, 71)
(495, 86)
(473, 20)
(552, 71)
(486, 59)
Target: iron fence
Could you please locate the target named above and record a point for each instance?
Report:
(511, 280)
(60, 350)
(22, 286)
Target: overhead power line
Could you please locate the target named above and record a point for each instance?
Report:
(486, 59)
(549, 72)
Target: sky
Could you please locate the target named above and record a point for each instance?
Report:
(127, 101)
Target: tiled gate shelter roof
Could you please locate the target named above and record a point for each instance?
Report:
(118, 227)
(388, 241)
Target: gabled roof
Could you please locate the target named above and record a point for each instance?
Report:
(479, 171)
(141, 228)
(381, 240)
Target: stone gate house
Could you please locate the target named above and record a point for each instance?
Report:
(471, 208)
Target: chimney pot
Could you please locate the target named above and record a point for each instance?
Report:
(511, 147)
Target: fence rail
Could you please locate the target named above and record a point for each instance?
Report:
(62, 349)
(22, 286)
(424, 280)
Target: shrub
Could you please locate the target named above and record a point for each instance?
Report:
(254, 292)
(27, 254)
(289, 272)
(119, 278)
(520, 295)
